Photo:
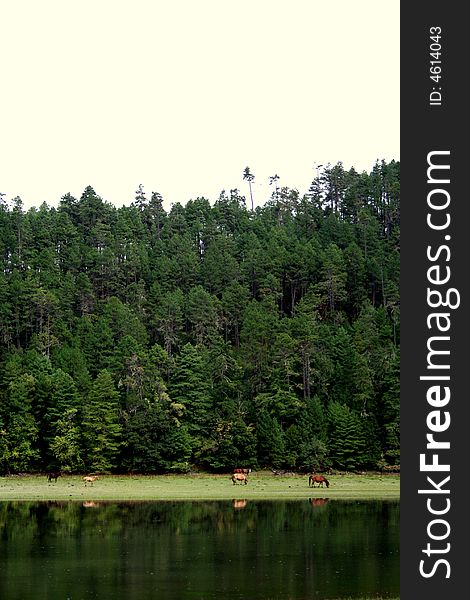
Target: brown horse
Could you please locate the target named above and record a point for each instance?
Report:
(313, 479)
(240, 477)
(244, 471)
(90, 479)
(53, 476)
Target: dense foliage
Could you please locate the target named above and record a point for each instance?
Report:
(136, 339)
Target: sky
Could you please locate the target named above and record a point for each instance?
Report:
(181, 95)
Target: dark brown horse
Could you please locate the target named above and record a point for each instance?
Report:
(313, 479)
(53, 476)
(240, 478)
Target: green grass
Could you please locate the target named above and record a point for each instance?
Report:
(261, 485)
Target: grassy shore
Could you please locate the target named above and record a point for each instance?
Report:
(261, 485)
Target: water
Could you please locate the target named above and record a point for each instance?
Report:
(257, 550)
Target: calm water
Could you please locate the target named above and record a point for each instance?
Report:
(199, 550)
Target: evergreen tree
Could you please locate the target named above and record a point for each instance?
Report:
(102, 432)
(248, 176)
(347, 439)
(64, 397)
(270, 443)
(332, 287)
(157, 441)
(20, 430)
(389, 414)
(190, 388)
(232, 335)
(65, 446)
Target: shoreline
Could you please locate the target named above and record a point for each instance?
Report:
(261, 486)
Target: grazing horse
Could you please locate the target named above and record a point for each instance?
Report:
(90, 479)
(313, 479)
(244, 471)
(241, 477)
(53, 476)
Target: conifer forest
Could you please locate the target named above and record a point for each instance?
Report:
(206, 336)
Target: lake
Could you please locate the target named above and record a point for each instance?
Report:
(207, 550)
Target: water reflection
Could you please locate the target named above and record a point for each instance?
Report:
(318, 501)
(197, 550)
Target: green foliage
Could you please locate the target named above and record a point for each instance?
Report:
(66, 444)
(190, 388)
(216, 336)
(102, 431)
(270, 442)
(156, 441)
(64, 397)
(352, 438)
(20, 429)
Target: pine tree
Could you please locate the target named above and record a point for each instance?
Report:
(20, 430)
(65, 446)
(332, 287)
(64, 397)
(102, 432)
(297, 299)
(248, 176)
(190, 387)
(346, 439)
(156, 440)
(270, 443)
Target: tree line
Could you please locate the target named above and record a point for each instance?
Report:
(137, 339)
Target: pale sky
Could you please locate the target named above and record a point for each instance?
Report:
(181, 95)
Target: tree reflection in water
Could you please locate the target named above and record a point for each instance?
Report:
(197, 550)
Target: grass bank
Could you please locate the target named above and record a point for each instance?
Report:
(261, 485)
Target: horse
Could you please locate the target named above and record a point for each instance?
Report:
(90, 479)
(244, 471)
(53, 475)
(241, 477)
(313, 479)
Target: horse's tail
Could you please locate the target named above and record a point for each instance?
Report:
(327, 482)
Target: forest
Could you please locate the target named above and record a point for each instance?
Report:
(144, 340)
